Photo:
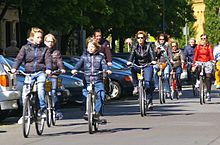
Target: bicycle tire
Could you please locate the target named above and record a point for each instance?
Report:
(26, 124)
(39, 121)
(161, 91)
(49, 110)
(141, 101)
(53, 117)
(202, 93)
(90, 112)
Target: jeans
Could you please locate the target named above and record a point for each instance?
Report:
(41, 78)
(53, 93)
(178, 80)
(166, 73)
(148, 74)
(100, 91)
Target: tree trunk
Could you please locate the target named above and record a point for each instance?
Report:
(121, 44)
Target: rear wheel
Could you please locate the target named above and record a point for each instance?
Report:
(26, 117)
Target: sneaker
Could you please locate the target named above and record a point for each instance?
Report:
(197, 84)
(102, 120)
(135, 91)
(156, 89)
(208, 96)
(42, 113)
(150, 106)
(180, 93)
(59, 116)
(97, 116)
(20, 121)
(168, 95)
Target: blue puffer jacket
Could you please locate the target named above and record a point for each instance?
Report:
(92, 64)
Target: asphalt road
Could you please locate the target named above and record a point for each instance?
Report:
(178, 122)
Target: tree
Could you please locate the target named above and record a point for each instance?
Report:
(212, 20)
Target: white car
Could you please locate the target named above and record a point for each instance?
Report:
(9, 95)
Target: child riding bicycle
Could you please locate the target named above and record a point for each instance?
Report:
(92, 62)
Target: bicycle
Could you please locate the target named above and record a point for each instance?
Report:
(202, 85)
(143, 100)
(51, 114)
(162, 94)
(90, 103)
(31, 108)
(174, 93)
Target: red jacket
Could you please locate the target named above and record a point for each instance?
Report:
(203, 54)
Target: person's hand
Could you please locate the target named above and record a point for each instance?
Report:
(153, 62)
(129, 63)
(193, 68)
(109, 72)
(13, 70)
(109, 63)
(74, 72)
(63, 71)
(48, 71)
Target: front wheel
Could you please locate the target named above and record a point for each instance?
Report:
(142, 104)
(202, 91)
(90, 112)
(49, 110)
(161, 91)
(26, 117)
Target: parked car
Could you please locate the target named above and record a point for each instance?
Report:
(9, 94)
(124, 55)
(121, 79)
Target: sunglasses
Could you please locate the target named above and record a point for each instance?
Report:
(161, 39)
(140, 37)
(203, 38)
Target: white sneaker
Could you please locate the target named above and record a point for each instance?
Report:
(197, 84)
(180, 93)
(168, 95)
(20, 121)
(208, 96)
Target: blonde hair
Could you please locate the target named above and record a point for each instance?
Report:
(33, 31)
(52, 36)
(93, 41)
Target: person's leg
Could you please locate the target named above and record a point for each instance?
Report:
(99, 88)
(167, 79)
(148, 76)
(155, 76)
(41, 78)
(178, 80)
(135, 80)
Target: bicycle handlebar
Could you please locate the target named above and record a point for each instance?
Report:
(140, 66)
(94, 74)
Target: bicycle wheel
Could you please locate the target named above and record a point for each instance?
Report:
(26, 124)
(201, 91)
(90, 112)
(53, 116)
(141, 101)
(161, 91)
(49, 110)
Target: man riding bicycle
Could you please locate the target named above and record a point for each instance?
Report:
(141, 54)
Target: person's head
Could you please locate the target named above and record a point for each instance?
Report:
(192, 41)
(13, 42)
(50, 40)
(36, 35)
(141, 37)
(174, 45)
(204, 39)
(97, 35)
(162, 38)
(92, 45)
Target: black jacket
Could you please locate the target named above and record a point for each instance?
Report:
(141, 56)
(92, 63)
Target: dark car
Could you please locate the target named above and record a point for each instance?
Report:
(120, 78)
(124, 55)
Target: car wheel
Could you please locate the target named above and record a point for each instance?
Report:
(116, 90)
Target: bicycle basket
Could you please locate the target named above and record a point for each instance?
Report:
(163, 65)
(48, 86)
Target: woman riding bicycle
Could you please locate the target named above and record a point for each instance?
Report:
(57, 63)
(177, 61)
(37, 60)
(204, 54)
(141, 54)
(92, 62)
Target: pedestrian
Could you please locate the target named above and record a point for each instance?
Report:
(12, 50)
(57, 63)
(216, 54)
(37, 61)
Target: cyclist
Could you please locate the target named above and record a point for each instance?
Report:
(204, 53)
(216, 54)
(57, 63)
(92, 62)
(37, 60)
(177, 61)
(189, 53)
(141, 54)
(163, 55)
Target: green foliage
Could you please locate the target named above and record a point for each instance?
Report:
(212, 20)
